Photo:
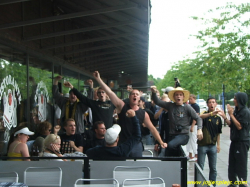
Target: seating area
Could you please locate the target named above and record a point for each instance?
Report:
(97, 173)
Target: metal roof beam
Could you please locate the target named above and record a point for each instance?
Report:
(117, 57)
(110, 62)
(96, 48)
(89, 40)
(5, 2)
(67, 16)
(74, 31)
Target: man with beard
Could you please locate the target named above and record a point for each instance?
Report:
(239, 124)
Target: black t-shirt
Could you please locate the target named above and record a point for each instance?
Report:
(126, 123)
(91, 141)
(65, 146)
(101, 111)
(212, 126)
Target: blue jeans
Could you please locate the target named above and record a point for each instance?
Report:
(174, 145)
(147, 140)
(136, 150)
(211, 152)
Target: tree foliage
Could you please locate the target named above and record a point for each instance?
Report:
(222, 57)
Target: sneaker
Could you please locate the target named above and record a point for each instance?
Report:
(193, 159)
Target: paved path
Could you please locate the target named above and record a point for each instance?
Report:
(222, 160)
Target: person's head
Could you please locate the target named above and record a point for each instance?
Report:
(240, 100)
(112, 135)
(52, 139)
(142, 102)
(44, 128)
(179, 95)
(165, 97)
(211, 103)
(167, 89)
(100, 129)
(192, 99)
(70, 126)
(72, 96)
(21, 134)
(134, 97)
(102, 96)
(36, 119)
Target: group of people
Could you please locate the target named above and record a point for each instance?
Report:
(179, 124)
(184, 121)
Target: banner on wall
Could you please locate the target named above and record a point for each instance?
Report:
(41, 98)
(11, 97)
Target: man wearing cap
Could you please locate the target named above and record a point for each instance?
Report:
(179, 119)
(124, 122)
(111, 136)
(70, 107)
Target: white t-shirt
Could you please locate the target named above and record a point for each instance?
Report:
(45, 154)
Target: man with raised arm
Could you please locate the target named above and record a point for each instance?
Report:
(102, 109)
(71, 107)
(126, 123)
(179, 119)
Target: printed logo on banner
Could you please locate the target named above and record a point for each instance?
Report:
(41, 98)
(11, 96)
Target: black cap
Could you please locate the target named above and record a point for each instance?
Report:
(142, 99)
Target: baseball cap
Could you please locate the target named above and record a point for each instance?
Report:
(167, 89)
(142, 99)
(24, 131)
(112, 134)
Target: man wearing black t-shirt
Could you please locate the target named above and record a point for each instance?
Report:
(70, 141)
(210, 144)
(102, 109)
(126, 123)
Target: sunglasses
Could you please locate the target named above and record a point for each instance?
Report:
(100, 92)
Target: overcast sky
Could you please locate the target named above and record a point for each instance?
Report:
(169, 39)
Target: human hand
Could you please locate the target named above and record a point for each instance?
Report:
(192, 129)
(57, 129)
(72, 144)
(89, 82)
(153, 89)
(54, 148)
(222, 114)
(230, 109)
(218, 148)
(130, 113)
(164, 145)
(68, 85)
(199, 134)
(156, 148)
(57, 78)
(96, 74)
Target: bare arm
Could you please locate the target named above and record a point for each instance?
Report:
(153, 130)
(157, 114)
(79, 149)
(206, 115)
(24, 151)
(223, 115)
(113, 97)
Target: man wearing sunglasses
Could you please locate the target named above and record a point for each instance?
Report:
(102, 109)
